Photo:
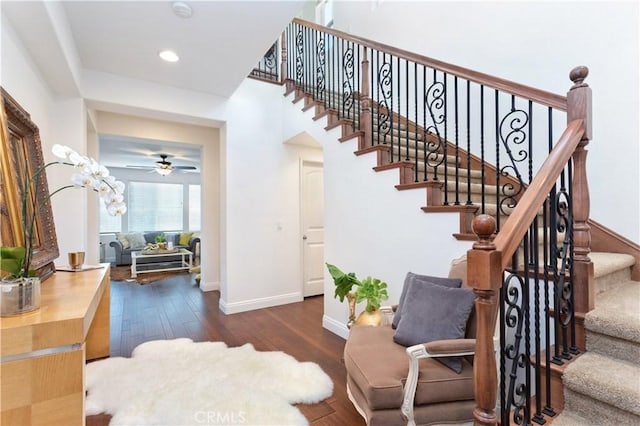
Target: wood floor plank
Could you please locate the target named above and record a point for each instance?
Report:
(175, 307)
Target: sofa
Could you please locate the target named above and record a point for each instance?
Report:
(126, 243)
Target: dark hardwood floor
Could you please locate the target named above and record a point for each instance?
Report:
(176, 307)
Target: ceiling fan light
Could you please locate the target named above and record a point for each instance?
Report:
(163, 171)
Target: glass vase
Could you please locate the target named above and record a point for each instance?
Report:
(19, 296)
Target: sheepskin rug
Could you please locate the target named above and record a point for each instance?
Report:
(180, 382)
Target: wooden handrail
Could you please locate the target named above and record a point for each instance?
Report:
(543, 97)
(514, 229)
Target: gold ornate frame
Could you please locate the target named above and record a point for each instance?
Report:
(21, 156)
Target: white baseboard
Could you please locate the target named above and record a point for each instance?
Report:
(264, 302)
(210, 286)
(336, 327)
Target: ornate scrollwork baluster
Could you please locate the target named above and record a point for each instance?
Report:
(299, 56)
(512, 134)
(347, 83)
(320, 68)
(384, 111)
(514, 322)
(270, 59)
(434, 101)
(563, 278)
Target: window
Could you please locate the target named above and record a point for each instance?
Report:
(155, 206)
(194, 208)
(324, 12)
(109, 223)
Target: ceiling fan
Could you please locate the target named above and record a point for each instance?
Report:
(164, 167)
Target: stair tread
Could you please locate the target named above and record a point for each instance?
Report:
(569, 418)
(617, 313)
(605, 379)
(606, 263)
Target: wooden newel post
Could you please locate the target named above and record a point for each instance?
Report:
(484, 275)
(579, 107)
(365, 98)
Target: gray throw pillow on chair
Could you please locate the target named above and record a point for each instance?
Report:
(411, 278)
(432, 312)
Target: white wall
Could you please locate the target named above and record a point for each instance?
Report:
(59, 121)
(261, 207)
(537, 43)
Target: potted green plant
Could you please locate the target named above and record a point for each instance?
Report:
(161, 240)
(371, 290)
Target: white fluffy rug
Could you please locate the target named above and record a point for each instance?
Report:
(180, 382)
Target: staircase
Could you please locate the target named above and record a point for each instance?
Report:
(600, 385)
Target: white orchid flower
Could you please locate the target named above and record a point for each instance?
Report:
(62, 151)
(113, 198)
(116, 209)
(118, 186)
(84, 180)
(78, 161)
(103, 189)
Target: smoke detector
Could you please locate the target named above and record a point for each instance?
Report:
(181, 9)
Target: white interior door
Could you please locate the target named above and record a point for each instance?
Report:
(312, 209)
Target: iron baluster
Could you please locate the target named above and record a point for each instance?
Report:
(435, 98)
(457, 140)
(320, 68)
(347, 84)
(299, 56)
(406, 107)
(483, 201)
(415, 113)
(535, 244)
(548, 409)
(497, 106)
(386, 89)
(469, 143)
(511, 133)
(446, 138)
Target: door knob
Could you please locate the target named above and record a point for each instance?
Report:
(304, 237)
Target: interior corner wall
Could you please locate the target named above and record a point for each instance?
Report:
(60, 121)
(261, 202)
(537, 44)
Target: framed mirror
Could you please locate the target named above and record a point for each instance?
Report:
(21, 152)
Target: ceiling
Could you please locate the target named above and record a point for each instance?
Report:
(218, 47)
(121, 151)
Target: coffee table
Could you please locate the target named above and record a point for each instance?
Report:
(159, 262)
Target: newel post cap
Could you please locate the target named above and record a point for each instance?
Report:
(578, 75)
(484, 226)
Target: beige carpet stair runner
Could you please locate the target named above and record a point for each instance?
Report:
(602, 387)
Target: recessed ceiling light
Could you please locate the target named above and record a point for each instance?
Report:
(181, 9)
(169, 55)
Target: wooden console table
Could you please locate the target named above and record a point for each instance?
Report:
(43, 353)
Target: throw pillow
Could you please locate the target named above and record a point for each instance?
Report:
(433, 312)
(150, 237)
(184, 238)
(136, 240)
(411, 277)
(122, 238)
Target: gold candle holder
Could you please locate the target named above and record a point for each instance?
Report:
(76, 259)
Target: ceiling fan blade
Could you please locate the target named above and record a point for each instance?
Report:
(140, 167)
(185, 167)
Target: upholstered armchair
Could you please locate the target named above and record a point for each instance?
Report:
(391, 382)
